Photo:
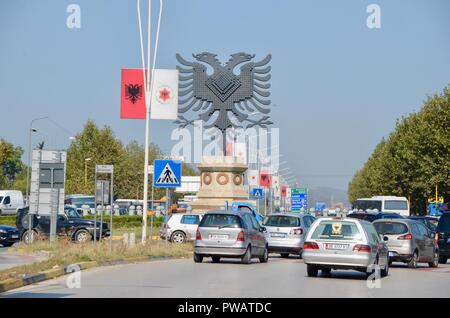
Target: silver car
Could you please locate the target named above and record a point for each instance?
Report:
(344, 243)
(180, 227)
(230, 234)
(409, 241)
(286, 232)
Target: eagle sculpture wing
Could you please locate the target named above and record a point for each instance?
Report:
(193, 92)
(253, 98)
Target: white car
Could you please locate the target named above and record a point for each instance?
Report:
(10, 201)
(180, 227)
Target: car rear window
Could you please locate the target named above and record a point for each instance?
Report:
(337, 230)
(281, 221)
(444, 223)
(395, 205)
(219, 220)
(390, 228)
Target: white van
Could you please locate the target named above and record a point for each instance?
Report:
(383, 203)
(10, 201)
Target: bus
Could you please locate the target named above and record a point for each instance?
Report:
(380, 203)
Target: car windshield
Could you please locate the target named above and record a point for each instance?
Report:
(337, 230)
(71, 213)
(395, 205)
(367, 205)
(220, 220)
(390, 228)
(444, 223)
(281, 221)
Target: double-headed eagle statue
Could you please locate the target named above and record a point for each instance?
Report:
(224, 99)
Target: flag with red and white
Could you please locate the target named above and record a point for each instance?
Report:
(283, 191)
(164, 102)
(252, 176)
(132, 94)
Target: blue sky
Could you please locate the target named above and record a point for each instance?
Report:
(337, 86)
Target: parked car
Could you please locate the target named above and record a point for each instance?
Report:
(443, 237)
(430, 222)
(8, 235)
(235, 234)
(344, 243)
(286, 232)
(409, 241)
(10, 201)
(68, 224)
(180, 227)
(372, 216)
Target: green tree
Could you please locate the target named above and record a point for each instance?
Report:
(414, 158)
(11, 165)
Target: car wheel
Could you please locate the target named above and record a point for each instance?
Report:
(178, 237)
(247, 258)
(326, 271)
(435, 262)
(198, 258)
(312, 270)
(215, 259)
(82, 236)
(29, 237)
(385, 270)
(442, 260)
(284, 255)
(413, 262)
(265, 257)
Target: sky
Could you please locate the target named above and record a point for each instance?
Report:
(337, 85)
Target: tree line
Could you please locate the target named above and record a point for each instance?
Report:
(413, 159)
(99, 146)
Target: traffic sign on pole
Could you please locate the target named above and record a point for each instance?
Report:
(257, 193)
(167, 173)
(299, 199)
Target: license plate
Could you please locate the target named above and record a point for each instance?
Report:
(218, 237)
(277, 234)
(336, 246)
(14, 236)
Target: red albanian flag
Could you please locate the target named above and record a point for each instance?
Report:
(283, 191)
(132, 96)
(265, 179)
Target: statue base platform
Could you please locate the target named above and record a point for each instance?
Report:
(222, 179)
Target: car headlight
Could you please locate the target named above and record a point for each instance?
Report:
(3, 231)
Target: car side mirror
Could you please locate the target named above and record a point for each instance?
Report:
(262, 229)
(385, 238)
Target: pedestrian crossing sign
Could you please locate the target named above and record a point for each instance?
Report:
(257, 193)
(167, 173)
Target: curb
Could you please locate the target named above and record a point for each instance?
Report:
(13, 283)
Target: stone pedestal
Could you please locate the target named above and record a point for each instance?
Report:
(222, 179)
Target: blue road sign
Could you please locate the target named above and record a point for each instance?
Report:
(167, 173)
(299, 199)
(257, 193)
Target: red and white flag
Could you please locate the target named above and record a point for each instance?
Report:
(252, 176)
(132, 94)
(164, 103)
(283, 191)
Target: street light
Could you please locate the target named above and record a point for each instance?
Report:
(85, 171)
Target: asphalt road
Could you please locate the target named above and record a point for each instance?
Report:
(278, 278)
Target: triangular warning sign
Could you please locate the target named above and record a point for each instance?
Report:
(256, 194)
(167, 176)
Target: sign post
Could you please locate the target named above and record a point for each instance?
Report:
(167, 174)
(104, 193)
